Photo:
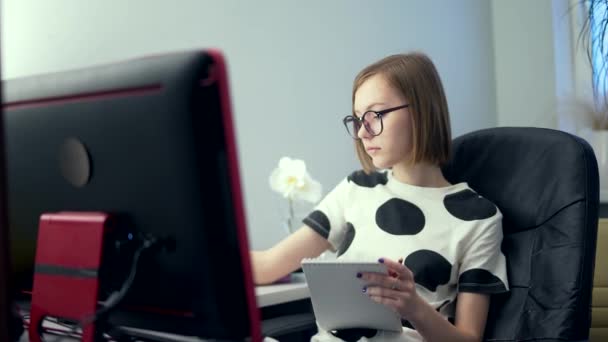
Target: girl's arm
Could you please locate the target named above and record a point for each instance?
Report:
(285, 257)
(471, 315)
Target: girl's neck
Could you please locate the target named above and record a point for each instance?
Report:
(421, 174)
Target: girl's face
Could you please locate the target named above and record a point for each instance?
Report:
(393, 145)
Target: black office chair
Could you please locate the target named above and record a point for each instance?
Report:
(545, 182)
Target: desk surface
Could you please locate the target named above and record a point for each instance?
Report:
(274, 294)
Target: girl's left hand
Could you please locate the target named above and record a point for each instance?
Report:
(396, 289)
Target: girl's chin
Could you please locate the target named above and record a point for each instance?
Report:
(381, 164)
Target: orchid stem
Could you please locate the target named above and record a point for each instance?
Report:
(290, 219)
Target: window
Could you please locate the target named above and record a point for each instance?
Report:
(598, 21)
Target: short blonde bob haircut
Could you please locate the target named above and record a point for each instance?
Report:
(414, 75)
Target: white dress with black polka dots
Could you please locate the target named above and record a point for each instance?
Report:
(449, 237)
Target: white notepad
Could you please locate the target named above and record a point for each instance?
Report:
(338, 299)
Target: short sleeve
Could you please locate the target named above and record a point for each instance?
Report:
(327, 218)
(483, 266)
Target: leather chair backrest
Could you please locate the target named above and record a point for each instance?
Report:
(546, 184)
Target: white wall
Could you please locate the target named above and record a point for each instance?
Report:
(524, 58)
(543, 75)
(291, 65)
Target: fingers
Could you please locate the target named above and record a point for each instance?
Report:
(384, 292)
(395, 285)
(399, 278)
(380, 279)
(397, 267)
(393, 303)
(380, 292)
(391, 298)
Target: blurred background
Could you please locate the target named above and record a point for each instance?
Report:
(292, 63)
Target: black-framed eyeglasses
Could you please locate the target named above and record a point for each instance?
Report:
(372, 120)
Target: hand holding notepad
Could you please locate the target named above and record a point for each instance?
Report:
(338, 299)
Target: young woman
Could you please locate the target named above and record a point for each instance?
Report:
(440, 241)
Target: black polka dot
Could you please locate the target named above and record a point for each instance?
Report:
(318, 222)
(430, 268)
(348, 239)
(467, 205)
(400, 217)
(480, 280)
(369, 181)
(445, 302)
(354, 334)
(407, 324)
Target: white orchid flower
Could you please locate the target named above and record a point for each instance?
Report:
(291, 180)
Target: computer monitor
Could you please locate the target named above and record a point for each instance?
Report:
(150, 139)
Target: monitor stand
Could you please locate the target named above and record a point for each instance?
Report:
(66, 276)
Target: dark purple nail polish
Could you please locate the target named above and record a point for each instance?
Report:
(364, 289)
(381, 260)
(359, 275)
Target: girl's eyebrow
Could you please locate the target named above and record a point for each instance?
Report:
(370, 106)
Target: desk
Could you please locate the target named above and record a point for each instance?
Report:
(268, 297)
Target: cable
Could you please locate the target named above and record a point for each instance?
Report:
(116, 297)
